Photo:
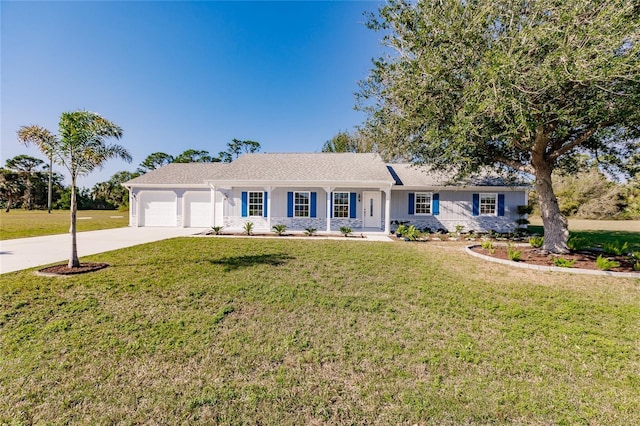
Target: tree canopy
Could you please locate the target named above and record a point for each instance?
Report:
(521, 86)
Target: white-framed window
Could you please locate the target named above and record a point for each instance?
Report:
(488, 204)
(341, 204)
(301, 203)
(423, 203)
(256, 203)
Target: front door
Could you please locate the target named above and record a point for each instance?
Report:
(372, 209)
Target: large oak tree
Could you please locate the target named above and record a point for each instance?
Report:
(518, 85)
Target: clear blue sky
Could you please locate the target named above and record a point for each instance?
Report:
(180, 75)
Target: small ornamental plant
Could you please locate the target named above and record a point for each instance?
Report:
(605, 264)
(217, 230)
(488, 245)
(513, 253)
(310, 231)
(345, 230)
(279, 229)
(248, 228)
(536, 242)
(401, 230)
(563, 263)
(616, 248)
(412, 234)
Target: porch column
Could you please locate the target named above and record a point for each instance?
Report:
(328, 191)
(213, 205)
(387, 210)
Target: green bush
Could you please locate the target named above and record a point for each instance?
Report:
(605, 264)
(310, 231)
(536, 242)
(401, 230)
(217, 230)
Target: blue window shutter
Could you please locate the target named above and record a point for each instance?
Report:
(412, 202)
(500, 204)
(435, 204)
(264, 202)
(352, 205)
(245, 202)
(476, 204)
(314, 201)
(290, 204)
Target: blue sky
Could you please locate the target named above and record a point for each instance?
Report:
(180, 75)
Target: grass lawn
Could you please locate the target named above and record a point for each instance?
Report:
(289, 332)
(34, 223)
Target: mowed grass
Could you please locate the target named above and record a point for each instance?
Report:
(289, 332)
(35, 223)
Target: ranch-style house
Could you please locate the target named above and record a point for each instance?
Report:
(319, 190)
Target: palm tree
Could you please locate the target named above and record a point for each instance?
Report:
(81, 147)
(45, 141)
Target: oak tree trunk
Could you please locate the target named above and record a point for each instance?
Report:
(556, 229)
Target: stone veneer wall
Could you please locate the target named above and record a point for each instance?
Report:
(477, 224)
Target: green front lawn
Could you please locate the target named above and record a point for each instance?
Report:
(35, 223)
(274, 331)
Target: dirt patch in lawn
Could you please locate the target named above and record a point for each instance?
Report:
(581, 259)
(62, 270)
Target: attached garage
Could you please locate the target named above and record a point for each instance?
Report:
(197, 209)
(158, 208)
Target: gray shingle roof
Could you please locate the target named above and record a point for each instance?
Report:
(310, 167)
(410, 175)
(180, 174)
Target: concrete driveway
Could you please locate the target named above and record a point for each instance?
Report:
(24, 253)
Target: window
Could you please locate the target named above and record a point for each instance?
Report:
(301, 201)
(255, 203)
(488, 204)
(341, 204)
(423, 203)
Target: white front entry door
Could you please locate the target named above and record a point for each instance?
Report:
(372, 209)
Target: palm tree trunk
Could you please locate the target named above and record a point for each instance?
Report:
(49, 196)
(74, 262)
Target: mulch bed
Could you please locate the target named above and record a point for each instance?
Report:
(65, 270)
(584, 259)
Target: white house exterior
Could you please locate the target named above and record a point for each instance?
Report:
(318, 190)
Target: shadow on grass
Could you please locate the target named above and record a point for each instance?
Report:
(237, 262)
(602, 237)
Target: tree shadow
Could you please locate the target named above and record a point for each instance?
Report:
(236, 262)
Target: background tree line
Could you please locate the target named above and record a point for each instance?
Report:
(24, 180)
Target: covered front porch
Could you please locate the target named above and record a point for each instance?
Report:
(324, 208)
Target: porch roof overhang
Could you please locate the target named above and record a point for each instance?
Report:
(166, 185)
(461, 188)
(301, 184)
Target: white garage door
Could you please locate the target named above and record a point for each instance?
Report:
(158, 208)
(197, 209)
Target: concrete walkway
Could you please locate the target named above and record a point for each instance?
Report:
(24, 253)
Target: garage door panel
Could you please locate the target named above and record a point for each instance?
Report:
(198, 209)
(159, 208)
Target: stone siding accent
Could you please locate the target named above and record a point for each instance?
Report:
(500, 224)
(300, 223)
(336, 224)
(237, 223)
